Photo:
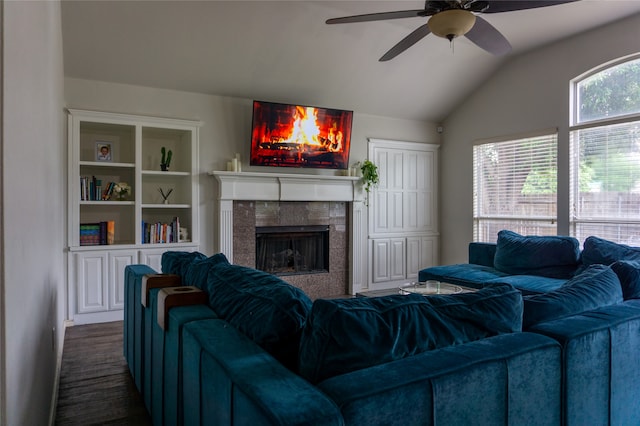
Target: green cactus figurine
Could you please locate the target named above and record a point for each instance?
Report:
(166, 159)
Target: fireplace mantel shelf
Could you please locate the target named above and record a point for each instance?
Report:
(287, 187)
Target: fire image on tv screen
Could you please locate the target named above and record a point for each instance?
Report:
(300, 136)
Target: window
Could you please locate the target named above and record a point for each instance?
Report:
(515, 187)
(605, 154)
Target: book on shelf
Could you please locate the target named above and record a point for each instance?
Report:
(92, 189)
(98, 233)
(161, 232)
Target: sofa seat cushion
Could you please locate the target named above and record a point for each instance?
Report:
(177, 262)
(530, 284)
(478, 276)
(464, 274)
(548, 256)
(266, 309)
(629, 274)
(344, 335)
(597, 286)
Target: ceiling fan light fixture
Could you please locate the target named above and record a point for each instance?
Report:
(452, 23)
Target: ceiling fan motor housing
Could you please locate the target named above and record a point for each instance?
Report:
(452, 23)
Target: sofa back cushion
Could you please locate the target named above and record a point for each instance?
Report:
(597, 286)
(177, 262)
(600, 251)
(628, 273)
(344, 335)
(266, 309)
(198, 270)
(548, 256)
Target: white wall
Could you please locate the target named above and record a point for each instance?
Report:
(226, 130)
(530, 93)
(33, 204)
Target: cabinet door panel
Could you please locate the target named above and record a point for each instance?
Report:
(428, 252)
(92, 282)
(152, 258)
(381, 252)
(118, 261)
(397, 258)
(414, 257)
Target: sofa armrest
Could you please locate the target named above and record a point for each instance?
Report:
(228, 376)
(456, 385)
(157, 281)
(600, 362)
(170, 297)
(482, 253)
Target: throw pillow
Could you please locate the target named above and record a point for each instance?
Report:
(629, 274)
(343, 335)
(600, 251)
(547, 256)
(597, 286)
(266, 309)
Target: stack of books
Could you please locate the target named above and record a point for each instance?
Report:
(96, 234)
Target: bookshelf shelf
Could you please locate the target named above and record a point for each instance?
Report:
(166, 206)
(107, 149)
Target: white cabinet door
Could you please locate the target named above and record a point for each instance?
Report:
(380, 262)
(118, 260)
(398, 253)
(414, 254)
(405, 199)
(421, 253)
(152, 258)
(388, 259)
(403, 224)
(419, 202)
(92, 281)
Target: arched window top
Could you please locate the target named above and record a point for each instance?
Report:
(609, 93)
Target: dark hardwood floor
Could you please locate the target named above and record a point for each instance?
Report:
(95, 385)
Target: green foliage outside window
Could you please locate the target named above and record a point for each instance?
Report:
(610, 93)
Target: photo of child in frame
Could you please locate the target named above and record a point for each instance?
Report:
(103, 151)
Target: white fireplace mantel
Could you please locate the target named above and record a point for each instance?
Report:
(251, 186)
(287, 187)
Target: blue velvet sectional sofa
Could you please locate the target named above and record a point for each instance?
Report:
(258, 351)
(211, 343)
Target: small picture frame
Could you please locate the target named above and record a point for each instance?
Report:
(103, 151)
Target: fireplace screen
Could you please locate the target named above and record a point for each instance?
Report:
(291, 250)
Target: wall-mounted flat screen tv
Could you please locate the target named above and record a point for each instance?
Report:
(286, 135)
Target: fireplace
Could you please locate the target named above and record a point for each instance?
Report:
(292, 250)
(251, 200)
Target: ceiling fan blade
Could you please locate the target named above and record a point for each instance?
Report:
(417, 35)
(378, 16)
(497, 6)
(487, 37)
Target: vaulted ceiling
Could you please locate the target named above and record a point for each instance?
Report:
(283, 50)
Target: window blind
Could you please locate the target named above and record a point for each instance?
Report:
(605, 182)
(515, 187)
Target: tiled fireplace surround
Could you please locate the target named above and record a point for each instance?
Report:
(247, 200)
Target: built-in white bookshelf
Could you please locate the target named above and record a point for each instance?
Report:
(107, 149)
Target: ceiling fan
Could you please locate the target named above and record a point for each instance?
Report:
(453, 18)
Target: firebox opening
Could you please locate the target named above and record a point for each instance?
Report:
(292, 250)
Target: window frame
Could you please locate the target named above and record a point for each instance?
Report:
(574, 156)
